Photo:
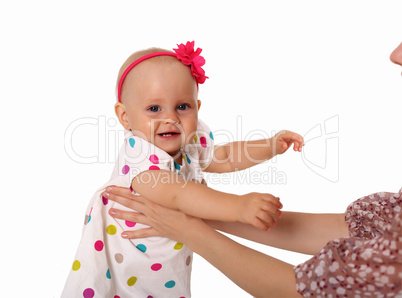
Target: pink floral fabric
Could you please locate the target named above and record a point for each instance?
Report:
(369, 262)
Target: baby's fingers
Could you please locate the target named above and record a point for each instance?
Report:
(297, 146)
(259, 224)
(271, 200)
(267, 218)
(296, 139)
(272, 207)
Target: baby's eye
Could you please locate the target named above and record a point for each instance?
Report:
(182, 107)
(154, 109)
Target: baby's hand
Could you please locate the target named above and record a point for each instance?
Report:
(259, 210)
(284, 139)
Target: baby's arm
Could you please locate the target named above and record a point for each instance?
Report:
(171, 190)
(241, 155)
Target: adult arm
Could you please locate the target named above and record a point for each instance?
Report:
(295, 231)
(300, 232)
(258, 274)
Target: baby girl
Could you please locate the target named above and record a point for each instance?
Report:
(166, 150)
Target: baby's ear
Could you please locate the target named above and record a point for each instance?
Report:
(120, 110)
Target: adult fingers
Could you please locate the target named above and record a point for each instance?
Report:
(142, 233)
(124, 197)
(129, 216)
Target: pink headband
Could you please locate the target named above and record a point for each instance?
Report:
(184, 53)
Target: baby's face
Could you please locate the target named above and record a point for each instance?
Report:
(161, 100)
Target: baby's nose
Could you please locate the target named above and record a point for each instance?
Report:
(171, 117)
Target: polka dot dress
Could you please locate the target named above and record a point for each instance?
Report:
(369, 262)
(107, 265)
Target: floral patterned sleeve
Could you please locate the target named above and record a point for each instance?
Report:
(369, 262)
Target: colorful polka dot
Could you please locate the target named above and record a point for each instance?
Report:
(111, 229)
(125, 169)
(141, 247)
(104, 200)
(88, 217)
(86, 220)
(176, 166)
(88, 293)
(203, 142)
(115, 296)
(131, 281)
(156, 267)
(131, 141)
(108, 274)
(188, 260)
(188, 159)
(154, 159)
(76, 265)
(98, 245)
(153, 167)
(119, 258)
(178, 246)
(211, 135)
(195, 139)
(130, 224)
(170, 284)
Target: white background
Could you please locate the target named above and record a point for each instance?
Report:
(272, 65)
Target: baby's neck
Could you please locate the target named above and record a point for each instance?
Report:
(178, 159)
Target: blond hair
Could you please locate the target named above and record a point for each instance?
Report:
(136, 55)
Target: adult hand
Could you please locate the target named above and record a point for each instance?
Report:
(216, 248)
(164, 222)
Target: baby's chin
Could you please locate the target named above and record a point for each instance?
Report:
(174, 154)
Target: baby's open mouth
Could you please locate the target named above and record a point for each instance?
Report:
(168, 134)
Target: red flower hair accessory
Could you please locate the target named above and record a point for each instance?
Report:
(187, 55)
